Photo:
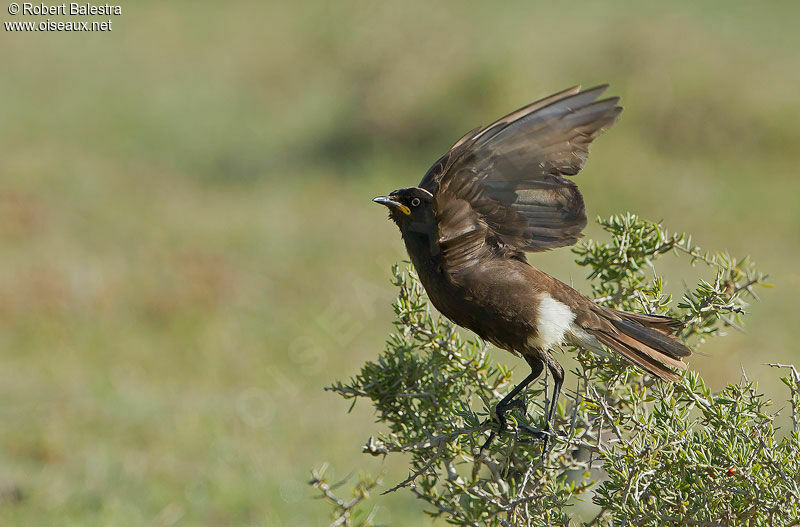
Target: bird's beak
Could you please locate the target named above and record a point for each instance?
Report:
(392, 204)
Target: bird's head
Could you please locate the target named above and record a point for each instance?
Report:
(409, 206)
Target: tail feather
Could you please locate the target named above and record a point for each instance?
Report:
(645, 361)
(655, 339)
(666, 325)
(647, 341)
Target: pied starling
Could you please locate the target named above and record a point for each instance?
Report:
(502, 191)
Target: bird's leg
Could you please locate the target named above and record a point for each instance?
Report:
(507, 402)
(558, 379)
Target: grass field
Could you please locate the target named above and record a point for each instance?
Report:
(188, 252)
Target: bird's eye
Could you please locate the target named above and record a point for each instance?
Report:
(415, 202)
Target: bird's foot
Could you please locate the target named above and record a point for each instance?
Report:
(537, 435)
(518, 403)
(488, 442)
(500, 422)
(534, 434)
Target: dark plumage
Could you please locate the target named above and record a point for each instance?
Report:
(499, 192)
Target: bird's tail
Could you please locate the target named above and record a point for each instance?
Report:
(648, 341)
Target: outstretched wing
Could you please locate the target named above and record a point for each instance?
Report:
(503, 187)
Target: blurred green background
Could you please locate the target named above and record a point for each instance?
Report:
(188, 252)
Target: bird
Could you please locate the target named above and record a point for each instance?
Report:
(502, 191)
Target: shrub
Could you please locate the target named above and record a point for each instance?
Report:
(644, 452)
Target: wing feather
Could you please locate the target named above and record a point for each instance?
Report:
(502, 188)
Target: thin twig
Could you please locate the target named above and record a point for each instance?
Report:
(414, 475)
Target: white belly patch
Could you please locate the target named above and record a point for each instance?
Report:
(553, 321)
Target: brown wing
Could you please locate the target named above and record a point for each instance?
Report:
(501, 188)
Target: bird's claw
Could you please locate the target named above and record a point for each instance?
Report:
(500, 422)
(519, 404)
(536, 434)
